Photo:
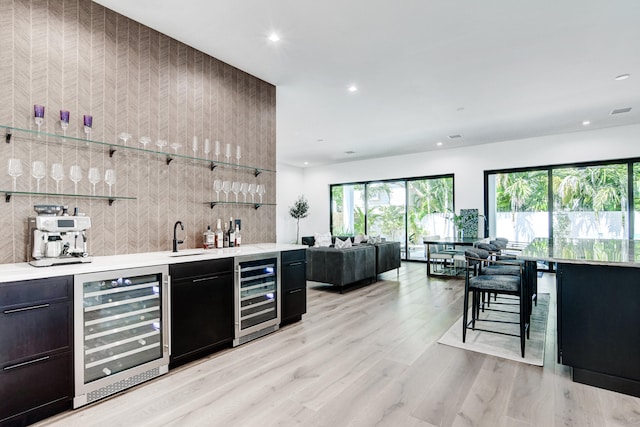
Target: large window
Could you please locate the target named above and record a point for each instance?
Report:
(403, 210)
(566, 201)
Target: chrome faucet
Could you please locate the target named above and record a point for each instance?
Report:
(177, 242)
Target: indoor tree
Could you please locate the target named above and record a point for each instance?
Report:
(299, 210)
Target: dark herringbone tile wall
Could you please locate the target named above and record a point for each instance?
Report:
(78, 56)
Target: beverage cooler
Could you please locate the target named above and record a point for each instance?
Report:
(121, 330)
(257, 296)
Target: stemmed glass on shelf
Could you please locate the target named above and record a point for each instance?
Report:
(194, 146)
(144, 140)
(260, 190)
(124, 136)
(252, 190)
(15, 170)
(217, 150)
(244, 189)
(226, 187)
(110, 178)
(94, 178)
(217, 187)
(75, 175)
(175, 146)
(235, 187)
(64, 121)
(57, 174)
(207, 148)
(227, 153)
(161, 143)
(38, 115)
(38, 171)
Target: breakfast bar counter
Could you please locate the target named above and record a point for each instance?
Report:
(598, 288)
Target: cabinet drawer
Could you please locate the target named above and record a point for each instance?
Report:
(33, 384)
(200, 268)
(294, 276)
(33, 330)
(287, 257)
(294, 304)
(32, 292)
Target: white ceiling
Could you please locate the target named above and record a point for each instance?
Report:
(489, 70)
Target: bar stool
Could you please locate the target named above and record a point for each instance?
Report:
(503, 284)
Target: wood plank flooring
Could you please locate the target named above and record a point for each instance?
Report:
(368, 357)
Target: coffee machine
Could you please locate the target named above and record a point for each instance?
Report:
(57, 237)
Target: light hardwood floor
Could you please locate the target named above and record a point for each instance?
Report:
(368, 357)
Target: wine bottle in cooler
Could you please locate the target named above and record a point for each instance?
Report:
(238, 235)
(232, 234)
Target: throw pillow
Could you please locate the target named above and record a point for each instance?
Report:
(359, 238)
(342, 244)
(323, 240)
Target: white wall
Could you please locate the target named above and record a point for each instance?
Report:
(289, 185)
(467, 164)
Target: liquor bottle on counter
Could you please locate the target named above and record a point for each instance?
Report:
(232, 234)
(208, 238)
(225, 237)
(219, 238)
(238, 236)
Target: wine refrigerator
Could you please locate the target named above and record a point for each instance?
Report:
(257, 296)
(121, 330)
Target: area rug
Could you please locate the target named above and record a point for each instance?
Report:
(504, 346)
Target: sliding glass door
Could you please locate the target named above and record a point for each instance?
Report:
(403, 210)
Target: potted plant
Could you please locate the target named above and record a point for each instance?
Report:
(299, 210)
(458, 222)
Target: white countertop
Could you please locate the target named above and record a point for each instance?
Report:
(25, 271)
(612, 252)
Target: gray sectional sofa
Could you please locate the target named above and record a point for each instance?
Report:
(342, 267)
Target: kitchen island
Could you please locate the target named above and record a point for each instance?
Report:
(598, 288)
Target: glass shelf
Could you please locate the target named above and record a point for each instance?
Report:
(34, 135)
(255, 205)
(111, 199)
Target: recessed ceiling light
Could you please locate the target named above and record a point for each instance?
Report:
(623, 76)
(353, 88)
(306, 163)
(460, 109)
(456, 136)
(586, 123)
(320, 140)
(439, 143)
(274, 37)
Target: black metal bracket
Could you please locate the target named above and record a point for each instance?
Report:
(111, 151)
(111, 201)
(256, 173)
(169, 159)
(7, 137)
(212, 204)
(212, 166)
(7, 197)
(256, 206)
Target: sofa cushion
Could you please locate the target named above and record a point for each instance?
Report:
(341, 244)
(322, 240)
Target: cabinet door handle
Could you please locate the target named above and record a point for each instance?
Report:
(295, 291)
(206, 278)
(18, 365)
(33, 307)
(296, 263)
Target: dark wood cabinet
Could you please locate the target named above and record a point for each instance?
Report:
(201, 308)
(36, 362)
(293, 276)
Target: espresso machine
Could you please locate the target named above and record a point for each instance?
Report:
(57, 237)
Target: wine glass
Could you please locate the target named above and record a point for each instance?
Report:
(260, 190)
(235, 187)
(64, 121)
(57, 174)
(217, 150)
(144, 140)
(124, 136)
(226, 187)
(227, 152)
(161, 143)
(194, 146)
(175, 146)
(15, 170)
(244, 189)
(38, 171)
(207, 148)
(110, 178)
(88, 123)
(238, 154)
(75, 175)
(94, 178)
(38, 114)
(217, 187)
(252, 190)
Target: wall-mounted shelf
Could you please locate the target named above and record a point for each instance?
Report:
(255, 205)
(12, 133)
(110, 199)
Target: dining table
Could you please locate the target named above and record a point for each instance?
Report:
(450, 242)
